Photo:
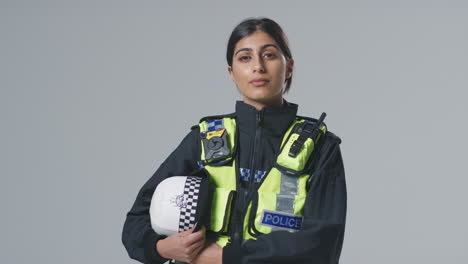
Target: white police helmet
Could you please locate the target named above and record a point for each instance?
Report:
(178, 203)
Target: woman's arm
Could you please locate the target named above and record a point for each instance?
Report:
(138, 237)
(321, 237)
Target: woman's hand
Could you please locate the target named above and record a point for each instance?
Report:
(211, 254)
(183, 246)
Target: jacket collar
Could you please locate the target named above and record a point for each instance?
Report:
(273, 119)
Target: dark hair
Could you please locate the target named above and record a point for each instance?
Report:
(251, 25)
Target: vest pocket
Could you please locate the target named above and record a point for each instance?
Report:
(298, 162)
(221, 210)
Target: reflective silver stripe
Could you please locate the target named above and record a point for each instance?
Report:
(286, 198)
(289, 184)
(288, 190)
(285, 203)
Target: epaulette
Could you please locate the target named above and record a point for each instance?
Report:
(333, 136)
(212, 117)
(217, 117)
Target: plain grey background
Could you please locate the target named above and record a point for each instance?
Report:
(95, 94)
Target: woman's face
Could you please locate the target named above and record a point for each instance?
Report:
(260, 69)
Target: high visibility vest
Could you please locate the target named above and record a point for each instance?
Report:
(279, 201)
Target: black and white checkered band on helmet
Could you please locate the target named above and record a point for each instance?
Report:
(188, 212)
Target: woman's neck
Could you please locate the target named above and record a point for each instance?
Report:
(260, 105)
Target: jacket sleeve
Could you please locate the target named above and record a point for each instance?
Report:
(321, 237)
(138, 236)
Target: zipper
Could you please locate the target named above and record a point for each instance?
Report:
(243, 202)
(251, 186)
(258, 131)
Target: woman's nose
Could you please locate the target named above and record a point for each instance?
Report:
(258, 65)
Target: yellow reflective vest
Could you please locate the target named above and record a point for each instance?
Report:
(278, 202)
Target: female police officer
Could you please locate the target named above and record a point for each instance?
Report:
(282, 174)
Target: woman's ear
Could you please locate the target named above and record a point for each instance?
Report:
(231, 73)
(289, 68)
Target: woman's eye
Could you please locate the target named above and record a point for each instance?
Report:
(244, 58)
(270, 55)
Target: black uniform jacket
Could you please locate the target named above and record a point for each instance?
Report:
(260, 133)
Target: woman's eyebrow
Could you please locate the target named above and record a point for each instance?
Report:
(262, 47)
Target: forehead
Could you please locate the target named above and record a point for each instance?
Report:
(255, 41)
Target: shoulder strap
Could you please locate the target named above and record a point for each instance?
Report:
(213, 117)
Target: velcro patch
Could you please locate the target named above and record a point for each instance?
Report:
(281, 220)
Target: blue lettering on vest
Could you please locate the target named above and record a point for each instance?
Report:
(281, 220)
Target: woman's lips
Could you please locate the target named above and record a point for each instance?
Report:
(259, 83)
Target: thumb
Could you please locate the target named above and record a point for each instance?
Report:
(193, 227)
